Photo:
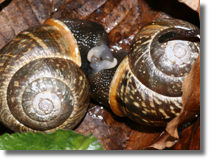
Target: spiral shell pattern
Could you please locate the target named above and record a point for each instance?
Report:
(147, 85)
(42, 87)
(162, 67)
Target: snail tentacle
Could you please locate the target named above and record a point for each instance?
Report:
(100, 57)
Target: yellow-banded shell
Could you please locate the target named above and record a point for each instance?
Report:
(41, 86)
(147, 85)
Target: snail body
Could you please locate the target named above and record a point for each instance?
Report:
(88, 35)
(147, 84)
(42, 86)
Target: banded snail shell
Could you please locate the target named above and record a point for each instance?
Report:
(41, 86)
(147, 85)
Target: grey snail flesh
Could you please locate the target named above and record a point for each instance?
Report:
(88, 35)
(41, 81)
(147, 84)
(100, 81)
(100, 58)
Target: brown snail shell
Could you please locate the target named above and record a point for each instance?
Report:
(147, 86)
(42, 87)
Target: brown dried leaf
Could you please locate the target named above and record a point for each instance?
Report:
(1, 1)
(190, 110)
(116, 132)
(190, 100)
(195, 138)
(190, 138)
(18, 15)
(121, 19)
(194, 4)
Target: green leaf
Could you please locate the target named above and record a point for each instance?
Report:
(58, 140)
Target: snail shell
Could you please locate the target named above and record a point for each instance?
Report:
(147, 84)
(150, 85)
(42, 87)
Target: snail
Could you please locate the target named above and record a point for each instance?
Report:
(146, 85)
(43, 85)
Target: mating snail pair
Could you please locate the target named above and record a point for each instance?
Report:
(45, 81)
